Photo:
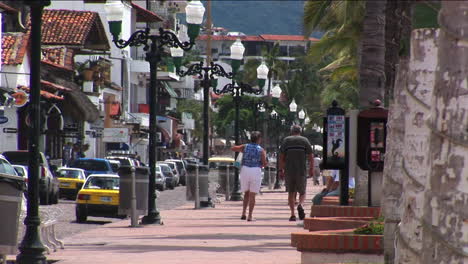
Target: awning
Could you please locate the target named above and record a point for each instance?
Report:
(169, 90)
(81, 106)
(144, 15)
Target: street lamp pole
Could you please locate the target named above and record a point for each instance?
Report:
(154, 47)
(277, 119)
(31, 247)
(206, 73)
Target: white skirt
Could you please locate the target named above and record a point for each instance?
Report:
(250, 179)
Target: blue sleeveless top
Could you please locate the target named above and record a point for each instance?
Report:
(252, 156)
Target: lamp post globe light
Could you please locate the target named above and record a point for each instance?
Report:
(237, 90)
(301, 116)
(154, 48)
(31, 247)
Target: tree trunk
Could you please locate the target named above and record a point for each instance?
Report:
(445, 224)
(372, 69)
(415, 164)
(393, 158)
(397, 25)
(371, 74)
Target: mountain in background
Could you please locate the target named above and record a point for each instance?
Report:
(282, 17)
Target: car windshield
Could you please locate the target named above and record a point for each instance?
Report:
(73, 174)
(91, 165)
(102, 183)
(158, 169)
(179, 164)
(171, 165)
(165, 168)
(20, 171)
(6, 167)
(18, 157)
(123, 161)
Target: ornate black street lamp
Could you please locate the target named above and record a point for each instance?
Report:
(209, 75)
(237, 90)
(154, 47)
(31, 248)
(276, 118)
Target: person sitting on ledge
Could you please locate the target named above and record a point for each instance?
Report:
(331, 189)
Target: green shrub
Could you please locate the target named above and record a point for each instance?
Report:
(373, 228)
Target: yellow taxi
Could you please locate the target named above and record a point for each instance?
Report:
(98, 197)
(218, 166)
(70, 181)
(215, 162)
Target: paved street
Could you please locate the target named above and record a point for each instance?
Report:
(67, 225)
(211, 235)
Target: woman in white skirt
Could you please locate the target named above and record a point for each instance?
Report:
(253, 159)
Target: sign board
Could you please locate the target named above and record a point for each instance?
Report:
(10, 130)
(21, 98)
(3, 119)
(115, 134)
(335, 138)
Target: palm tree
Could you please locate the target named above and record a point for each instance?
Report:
(445, 233)
(371, 68)
(341, 22)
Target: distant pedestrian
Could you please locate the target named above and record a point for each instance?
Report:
(295, 150)
(253, 159)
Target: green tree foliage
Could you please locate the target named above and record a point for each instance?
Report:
(196, 109)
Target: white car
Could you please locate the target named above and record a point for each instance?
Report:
(21, 170)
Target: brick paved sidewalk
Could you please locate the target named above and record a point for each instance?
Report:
(211, 235)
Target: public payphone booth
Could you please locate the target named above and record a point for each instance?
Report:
(372, 133)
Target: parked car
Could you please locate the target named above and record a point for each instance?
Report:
(71, 180)
(21, 170)
(181, 168)
(171, 179)
(124, 160)
(48, 184)
(98, 197)
(115, 164)
(160, 179)
(175, 171)
(93, 166)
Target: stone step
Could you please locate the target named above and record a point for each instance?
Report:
(344, 211)
(337, 241)
(334, 223)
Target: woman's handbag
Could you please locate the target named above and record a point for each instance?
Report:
(238, 162)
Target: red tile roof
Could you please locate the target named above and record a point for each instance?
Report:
(59, 57)
(232, 38)
(71, 27)
(145, 15)
(54, 87)
(286, 37)
(264, 37)
(44, 94)
(14, 46)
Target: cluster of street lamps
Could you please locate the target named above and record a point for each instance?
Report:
(154, 46)
(209, 75)
(31, 248)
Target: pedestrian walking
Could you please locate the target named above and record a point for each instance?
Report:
(295, 150)
(253, 159)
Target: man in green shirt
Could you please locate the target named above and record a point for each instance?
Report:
(294, 152)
